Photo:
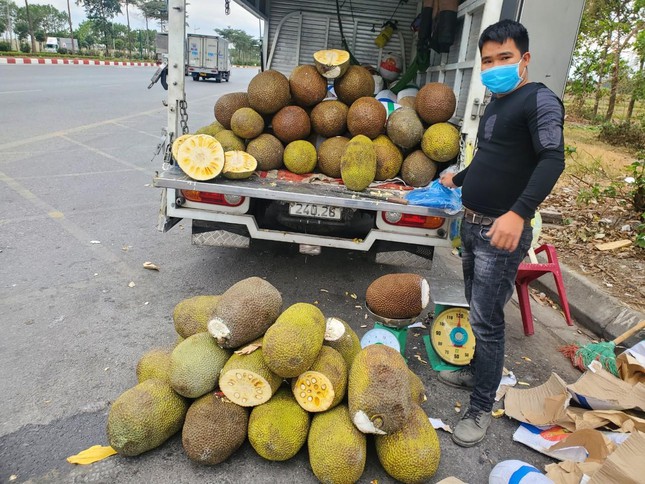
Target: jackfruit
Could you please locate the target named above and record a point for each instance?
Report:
(441, 142)
(357, 82)
(210, 129)
(246, 379)
(201, 157)
(191, 316)
(412, 454)
(379, 396)
(230, 141)
(246, 123)
(214, 429)
(269, 92)
(244, 312)
(332, 63)
(238, 165)
(435, 103)
(366, 116)
(267, 150)
(340, 336)
(323, 385)
(337, 450)
(278, 428)
(404, 128)
(290, 124)
(226, 106)
(154, 363)
(292, 344)
(300, 157)
(398, 296)
(329, 118)
(388, 158)
(330, 154)
(417, 169)
(358, 164)
(195, 364)
(177, 143)
(144, 417)
(307, 86)
(417, 389)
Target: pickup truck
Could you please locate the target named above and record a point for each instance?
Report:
(233, 213)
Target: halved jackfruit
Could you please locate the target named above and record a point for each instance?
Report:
(201, 157)
(324, 385)
(177, 143)
(332, 63)
(238, 164)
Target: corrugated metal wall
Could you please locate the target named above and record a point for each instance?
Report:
(300, 33)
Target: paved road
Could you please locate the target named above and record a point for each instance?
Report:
(78, 222)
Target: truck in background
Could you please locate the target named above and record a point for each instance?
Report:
(208, 57)
(233, 213)
(54, 44)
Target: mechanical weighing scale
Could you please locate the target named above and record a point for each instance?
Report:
(450, 343)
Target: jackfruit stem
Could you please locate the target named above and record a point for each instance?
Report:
(218, 330)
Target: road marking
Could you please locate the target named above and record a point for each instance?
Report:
(20, 92)
(73, 175)
(155, 136)
(107, 155)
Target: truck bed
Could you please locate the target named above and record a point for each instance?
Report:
(290, 191)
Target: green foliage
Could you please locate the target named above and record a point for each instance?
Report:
(245, 50)
(5, 46)
(25, 48)
(623, 134)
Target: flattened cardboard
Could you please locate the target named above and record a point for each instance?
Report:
(597, 446)
(631, 364)
(624, 466)
(569, 472)
(593, 419)
(598, 389)
(543, 405)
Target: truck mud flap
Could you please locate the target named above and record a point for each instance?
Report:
(402, 255)
(225, 235)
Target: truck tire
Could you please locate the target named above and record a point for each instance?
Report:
(195, 77)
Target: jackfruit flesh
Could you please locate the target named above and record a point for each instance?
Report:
(322, 386)
(201, 157)
(340, 336)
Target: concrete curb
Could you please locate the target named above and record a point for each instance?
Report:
(80, 62)
(603, 314)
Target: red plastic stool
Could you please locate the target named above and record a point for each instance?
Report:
(529, 271)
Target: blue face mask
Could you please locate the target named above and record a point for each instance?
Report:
(502, 79)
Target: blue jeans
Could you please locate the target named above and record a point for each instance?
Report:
(489, 278)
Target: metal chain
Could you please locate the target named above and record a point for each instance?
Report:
(227, 7)
(462, 151)
(167, 154)
(183, 121)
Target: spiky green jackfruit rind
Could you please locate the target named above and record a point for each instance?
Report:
(192, 315)
(211, 129)
(144, 417)
(417, 388)
(358, 164)
(154, 363)
(441, 142)
(214, 429)
(337, 450)
(322, 386)
(278, 428)
(195, 364)
(412, 454)
(245, 311)
(379, 396)
(291, 345)
(247, 380)
(340, 336)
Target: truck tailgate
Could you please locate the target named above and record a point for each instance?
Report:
(290, 191)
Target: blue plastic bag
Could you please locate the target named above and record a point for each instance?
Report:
(437, 196)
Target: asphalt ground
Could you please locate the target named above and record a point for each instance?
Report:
(78, 309)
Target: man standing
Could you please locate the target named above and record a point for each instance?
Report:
(520, 155)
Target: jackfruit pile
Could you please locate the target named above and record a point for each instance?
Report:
(325, 118)
(244, 368)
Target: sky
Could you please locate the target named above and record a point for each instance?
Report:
(203, 16)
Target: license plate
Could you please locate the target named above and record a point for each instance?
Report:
(315, 211)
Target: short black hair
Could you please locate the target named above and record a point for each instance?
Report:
(504, 30)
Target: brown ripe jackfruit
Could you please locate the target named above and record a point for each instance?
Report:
(404, 128)
(366, 116)
(435, 102)
(329, 118)
(244, 312)
(269, 92)
(379, 396)
(267, 150)
(214, 429)
(357, 82)
(388, 158)
(226, 106)
(247, 123)
(291, 123)
(307, 86)
(398, 296)
(417, 169)
(330, 154)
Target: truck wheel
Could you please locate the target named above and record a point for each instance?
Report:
(195, 77)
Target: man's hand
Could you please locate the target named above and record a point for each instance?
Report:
(506, 231)
(446, 180)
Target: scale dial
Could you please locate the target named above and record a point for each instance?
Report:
(379, 336)
(452, 337)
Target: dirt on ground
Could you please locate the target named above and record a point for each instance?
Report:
(581, 223)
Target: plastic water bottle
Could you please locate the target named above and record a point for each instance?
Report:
(517, 472)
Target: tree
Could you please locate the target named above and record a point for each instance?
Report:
(101, 11)
(30, 26)
(638, 80)
(157, 10)
(245, 49)
(71, 29)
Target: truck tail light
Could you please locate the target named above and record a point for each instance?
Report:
(213, 198)
(411, 220)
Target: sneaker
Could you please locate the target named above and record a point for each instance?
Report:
(472, 428)
(462, 378)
